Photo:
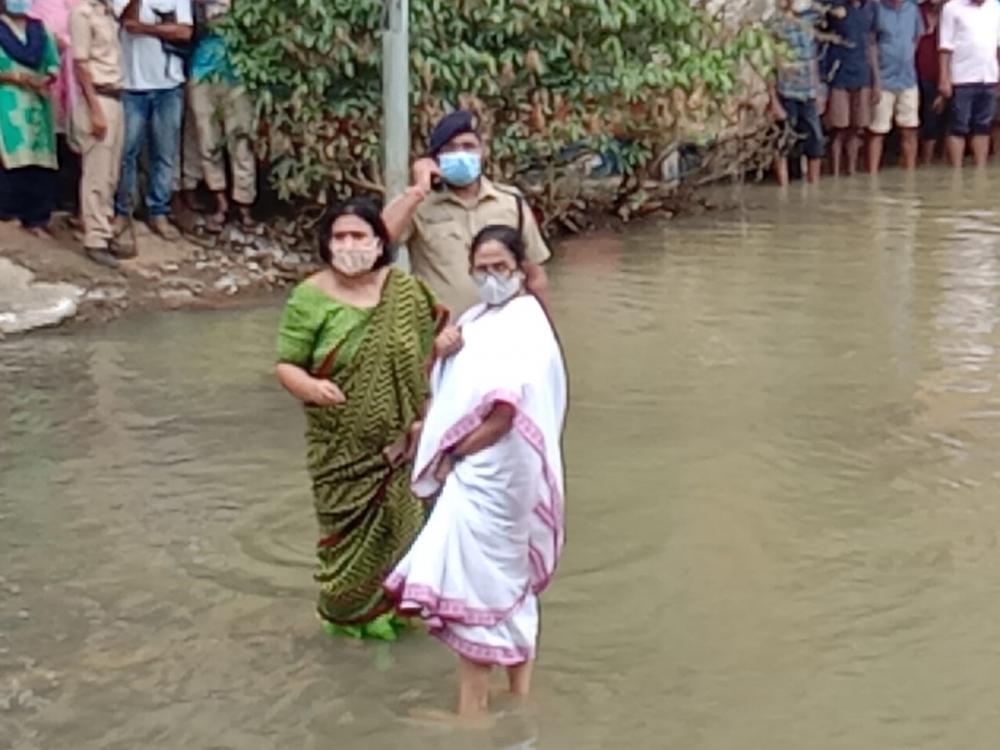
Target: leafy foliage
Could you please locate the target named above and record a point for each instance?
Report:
(629, 78)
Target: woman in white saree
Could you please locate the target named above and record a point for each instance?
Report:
(490, 453)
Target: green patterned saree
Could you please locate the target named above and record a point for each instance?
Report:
(367, 515)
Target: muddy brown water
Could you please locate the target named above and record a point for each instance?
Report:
(784, 496)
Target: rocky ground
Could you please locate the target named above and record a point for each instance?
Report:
(48, 282)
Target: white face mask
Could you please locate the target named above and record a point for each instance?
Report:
(495, 290)
(355, 258)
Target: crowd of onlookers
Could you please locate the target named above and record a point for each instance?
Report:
(120, 80)
(851, 71)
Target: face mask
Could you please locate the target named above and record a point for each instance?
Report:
(354, 258)
(495, 290)
(18, 7)
(460, 168)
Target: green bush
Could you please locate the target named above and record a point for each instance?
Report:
(630, 77)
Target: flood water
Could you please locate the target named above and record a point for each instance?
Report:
(783, 506)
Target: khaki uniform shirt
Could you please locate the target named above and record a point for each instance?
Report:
(93, 33)
(441, 234)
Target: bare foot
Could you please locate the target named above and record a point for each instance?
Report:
(437, 717)
(40, 232)
(246, 219)
(503, 700)
(160, 225)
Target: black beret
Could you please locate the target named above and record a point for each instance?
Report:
(458, 122)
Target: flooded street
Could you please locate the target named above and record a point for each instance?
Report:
(783, 503)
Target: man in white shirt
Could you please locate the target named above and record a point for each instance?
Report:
(969, 48)
(154, 38)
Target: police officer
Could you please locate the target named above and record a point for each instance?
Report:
(437, 225)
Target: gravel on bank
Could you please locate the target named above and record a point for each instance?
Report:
(51, 282)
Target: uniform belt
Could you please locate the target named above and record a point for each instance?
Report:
(112, 92)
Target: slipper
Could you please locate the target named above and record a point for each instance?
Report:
(215, 223)
(244, 219)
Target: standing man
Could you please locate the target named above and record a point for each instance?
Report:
(898, 29)
(438, 225)
(854, 81)
(154, 35)
(99, 123)
(933, 117)
(969, 44)
(793, 95)
(224, 122)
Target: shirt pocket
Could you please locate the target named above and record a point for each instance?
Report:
(445, 228)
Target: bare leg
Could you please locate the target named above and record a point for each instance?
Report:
(875, 144)
(980, 150)
(836, 151)
(956, 150)
(854, 141)
(473, 689)
(520, 679)
(813, 170)
(908, 148)
(781, 170)
(927, 150)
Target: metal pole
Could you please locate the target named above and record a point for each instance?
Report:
(396, 100)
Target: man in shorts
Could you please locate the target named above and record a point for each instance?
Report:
(898, 29)
(854, 80)
(969, 43)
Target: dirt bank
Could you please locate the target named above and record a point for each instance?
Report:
(200, 271)
(197, 272)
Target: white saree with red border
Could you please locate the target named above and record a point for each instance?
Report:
(495, 535)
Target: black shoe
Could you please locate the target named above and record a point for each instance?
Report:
(102, 256)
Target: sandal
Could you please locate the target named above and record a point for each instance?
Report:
(215, 223)
(245, 218)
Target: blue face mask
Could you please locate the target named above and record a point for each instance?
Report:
(18, 7)
(460, 168)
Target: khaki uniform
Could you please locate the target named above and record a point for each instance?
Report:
(220, 119)
(223, 117)
(94, 41)
(441, 234)
(187, 167)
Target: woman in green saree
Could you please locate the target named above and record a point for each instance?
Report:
(355, 345)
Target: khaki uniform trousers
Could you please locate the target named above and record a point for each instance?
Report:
(101, 168)
(224, 120)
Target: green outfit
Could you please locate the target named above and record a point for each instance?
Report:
(368, 517)
(27, 123)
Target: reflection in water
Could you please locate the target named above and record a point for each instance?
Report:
(782, 506)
